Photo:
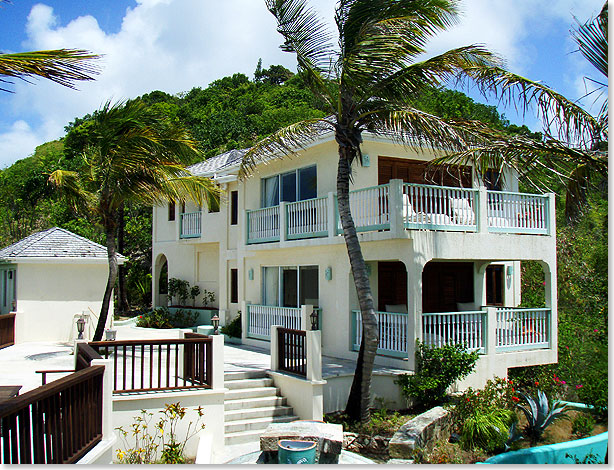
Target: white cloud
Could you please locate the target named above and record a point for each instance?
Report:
(174, 45)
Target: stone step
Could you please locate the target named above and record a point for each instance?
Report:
(242, 437)
(257, 402)
(255, 413)
(256, 424)
(248, 383)
(247, 374)
(256, 392)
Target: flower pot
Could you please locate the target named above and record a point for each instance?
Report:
(296, 452)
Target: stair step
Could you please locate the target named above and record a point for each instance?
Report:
(255, 413)
(248, 383)
(242, 437)
(247, 374)
(257, 423)
(256, 392)
(256, 402)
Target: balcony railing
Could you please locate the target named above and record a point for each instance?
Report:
(466, 328)
(522, 328)
(397, 206)
(260, 319)
(392, 328)
(190, 224)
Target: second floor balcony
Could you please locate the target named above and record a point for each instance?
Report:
(399, 206)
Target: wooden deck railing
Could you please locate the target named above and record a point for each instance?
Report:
(160, 364)
(292, 351)
(53, 424)
(7, 330)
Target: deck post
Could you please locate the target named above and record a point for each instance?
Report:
(314, 355)
(395, 206)
(331, 215)
(217, 379)
(274, 348)
(551, 220)
(306, 311)
(107, 396)
(482, 212)
(490, 331)
(283, 223)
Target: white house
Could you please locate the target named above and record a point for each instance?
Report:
(49, 279)
(443, 248)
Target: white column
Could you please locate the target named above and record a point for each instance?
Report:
(107, 396)
(551, 214)
(551, 301)
(306, 311)
(490, 331)
(244, 312)
(331, 214)
(314, 355)
(482, 212)
(283, 225)
(274, 348)
(217, 381)
(395, 206)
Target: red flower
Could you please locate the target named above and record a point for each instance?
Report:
(536, 383)
(516, 399)
(468, 399)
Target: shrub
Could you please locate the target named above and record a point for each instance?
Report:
(234, 327)
(208, 297)
(150, 437)
(497, 394)
(582, 425)
(178, 288)
(162, 318)
(436, 370)
(194, 292)
(487, 430)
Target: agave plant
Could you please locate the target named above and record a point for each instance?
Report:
(540, 414)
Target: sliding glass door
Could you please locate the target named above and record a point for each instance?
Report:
(290, 286)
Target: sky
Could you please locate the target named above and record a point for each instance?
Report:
(175, 45)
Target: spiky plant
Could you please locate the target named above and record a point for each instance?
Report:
(540, 414)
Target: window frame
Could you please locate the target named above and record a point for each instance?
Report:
(297, 189)
(234, 207)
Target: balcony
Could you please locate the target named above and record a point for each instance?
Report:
(190, 224)
(405, 206)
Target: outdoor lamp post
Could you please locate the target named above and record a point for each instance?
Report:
(314, 319)
(80, 327)
(216, 322)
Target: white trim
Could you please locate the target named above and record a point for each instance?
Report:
(61, 260)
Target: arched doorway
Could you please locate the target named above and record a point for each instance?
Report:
(160, 288)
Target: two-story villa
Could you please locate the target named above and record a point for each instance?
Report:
(443, 250)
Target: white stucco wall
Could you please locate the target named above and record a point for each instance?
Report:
(51, 296)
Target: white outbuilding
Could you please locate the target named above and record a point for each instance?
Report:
(50, 279)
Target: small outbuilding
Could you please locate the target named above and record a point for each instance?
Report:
(49, 279)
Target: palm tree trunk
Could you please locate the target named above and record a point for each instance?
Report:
(359, 400)
(108, 293)
(123, 305)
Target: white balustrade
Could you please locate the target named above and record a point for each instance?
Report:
(191, 224)
(521, 328)
(263, 225)
(260, 318)
(439, 207)
(308, 218)
(370, 208)
(517, 212)
(465, 328)
(392, 329)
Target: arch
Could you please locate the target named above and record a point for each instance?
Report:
(160, 281)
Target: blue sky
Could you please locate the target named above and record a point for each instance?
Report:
(174, 45)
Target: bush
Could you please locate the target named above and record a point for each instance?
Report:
(179, 289)
(487, 430)
(436, 370)
(582, 425)
(497, 394)
(162, 318)
(233, 328)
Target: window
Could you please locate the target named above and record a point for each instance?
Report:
(493, 180)
(171, 211)
(234, 286)
(234, 207)
(494, 284)
(296, 185)
(290, 286)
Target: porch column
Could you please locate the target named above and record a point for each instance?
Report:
(551, 214)
(395, 206)
(314, 355)
(490, 331)
(331, 214)
(479, 284)
(244, 319)
(414, 308)
(306, 311)
(274, 353)
(283, 223)
(551, 301)
(482, 213)
(217, 381)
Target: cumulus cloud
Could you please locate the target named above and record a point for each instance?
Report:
(174, 45)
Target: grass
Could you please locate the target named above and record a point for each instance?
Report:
(383, 422)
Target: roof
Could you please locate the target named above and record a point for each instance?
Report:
(57, 243)
(219, 162)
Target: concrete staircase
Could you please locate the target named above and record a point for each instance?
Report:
(251, 404)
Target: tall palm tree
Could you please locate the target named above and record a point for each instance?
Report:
(369, 80)
(133, 154)
(575, 143)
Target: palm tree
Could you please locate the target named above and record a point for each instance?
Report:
(133, 154)
(369, 81)
(575, 143)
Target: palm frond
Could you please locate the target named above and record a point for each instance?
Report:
(592, 39)
(63, 66)
(285, 142)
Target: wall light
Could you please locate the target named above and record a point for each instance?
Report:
(510, 270)
(328, 274)
(250, 274)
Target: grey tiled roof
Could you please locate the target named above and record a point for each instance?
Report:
(219, 162)
(54, 243)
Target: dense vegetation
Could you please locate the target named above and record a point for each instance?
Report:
(234, 112)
